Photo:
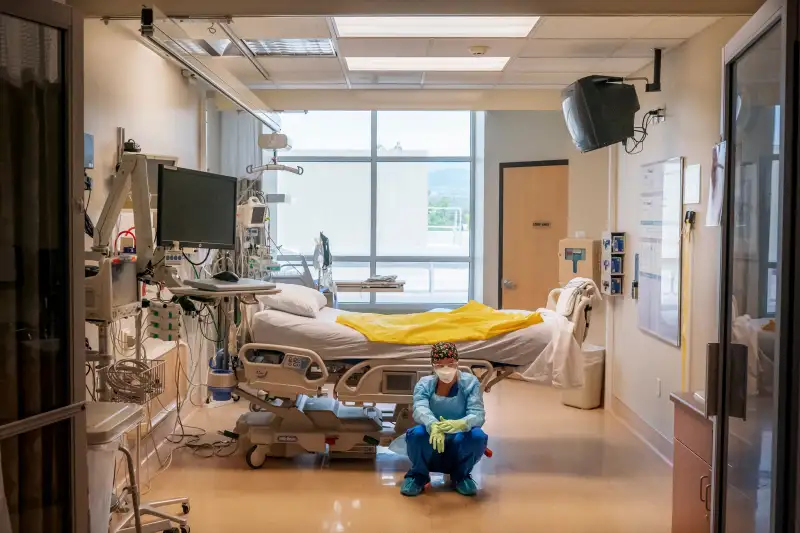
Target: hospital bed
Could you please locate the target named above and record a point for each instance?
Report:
(343, 395)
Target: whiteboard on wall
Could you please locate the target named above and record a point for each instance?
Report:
(659, 249)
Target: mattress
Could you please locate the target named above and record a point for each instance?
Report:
(333, 341)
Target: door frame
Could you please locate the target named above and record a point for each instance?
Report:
(784, 494)
(70, 22)
(503, 166)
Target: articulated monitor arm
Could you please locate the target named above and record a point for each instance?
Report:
(131, 178)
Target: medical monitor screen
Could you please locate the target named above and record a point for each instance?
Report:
(196, 209)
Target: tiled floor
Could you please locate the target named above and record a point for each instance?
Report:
(554, 469)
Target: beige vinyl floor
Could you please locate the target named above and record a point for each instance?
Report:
(554, 469)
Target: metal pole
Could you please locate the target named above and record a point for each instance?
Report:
(139, 335)
(103, 393)
(139, 454)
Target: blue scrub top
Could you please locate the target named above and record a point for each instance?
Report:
(463, 402)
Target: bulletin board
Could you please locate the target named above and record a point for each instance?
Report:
(659, 250)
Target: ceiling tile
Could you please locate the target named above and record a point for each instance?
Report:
(300, 64)
(461, 47)
(197, 29)
(542, 78)
(465, 78)
(553, 64)
(674, 27)
(528, 86)
(644, 47)
(280, 27)
(383, 47)
(571, 47)
(589, 27)
(623, 64)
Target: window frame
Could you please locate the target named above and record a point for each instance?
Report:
(373, 258)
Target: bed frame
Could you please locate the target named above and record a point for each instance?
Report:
(300, 403)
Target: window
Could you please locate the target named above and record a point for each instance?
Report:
(330, 197)
(419, 134)
(423, 209)
(392, 190)
(437, 283)
(327, 133)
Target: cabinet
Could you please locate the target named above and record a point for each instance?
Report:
(691, 471)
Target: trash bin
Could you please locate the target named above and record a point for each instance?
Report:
(101, 485)
(590, 396)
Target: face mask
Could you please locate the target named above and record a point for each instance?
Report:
(446, 374)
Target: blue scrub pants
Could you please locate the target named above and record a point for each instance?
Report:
(461, 452)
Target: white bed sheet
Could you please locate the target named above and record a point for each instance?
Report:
(333, 341)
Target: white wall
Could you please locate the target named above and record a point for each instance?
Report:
(691, 81)
(536, 136)
(128, 85)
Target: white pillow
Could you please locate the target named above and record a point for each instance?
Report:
(295, 299)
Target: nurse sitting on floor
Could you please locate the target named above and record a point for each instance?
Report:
(449, 408)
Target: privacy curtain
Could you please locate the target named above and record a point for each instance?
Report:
(34, 298)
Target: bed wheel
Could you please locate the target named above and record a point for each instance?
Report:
(254, 408)
(235, 397)
(255, 458)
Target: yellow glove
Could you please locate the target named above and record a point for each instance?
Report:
(452, 426)
(437, 437)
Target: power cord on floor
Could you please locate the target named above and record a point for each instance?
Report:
(181, 437)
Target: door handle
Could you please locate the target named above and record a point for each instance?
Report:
(712, 379)
(737, 363)
(508, 284)
(703, 489)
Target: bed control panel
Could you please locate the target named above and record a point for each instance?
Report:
(397, 382)
(299, 363)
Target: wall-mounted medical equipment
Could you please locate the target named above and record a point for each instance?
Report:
(578, 258)
(612, 263)
(196, 209)
(252, 213)
(111, 289)
(165, 321)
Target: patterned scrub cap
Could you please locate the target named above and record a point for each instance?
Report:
(444, 350)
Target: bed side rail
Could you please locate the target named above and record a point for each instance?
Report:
(393, 381)
(285, 379)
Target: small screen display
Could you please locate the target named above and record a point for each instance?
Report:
(196, 209)
(259, 214)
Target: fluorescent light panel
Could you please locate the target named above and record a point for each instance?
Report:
(423, 64)
(291, 47)
(434, 26)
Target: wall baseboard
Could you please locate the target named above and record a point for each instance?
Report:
(660, 444)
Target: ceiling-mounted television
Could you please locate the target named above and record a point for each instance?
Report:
(599, 111)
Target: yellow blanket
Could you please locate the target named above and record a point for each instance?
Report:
(471, 322)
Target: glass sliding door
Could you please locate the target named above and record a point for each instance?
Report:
(756, 373)
(42, 423)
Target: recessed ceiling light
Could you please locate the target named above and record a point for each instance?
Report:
(422, 64)
(291, 47)
(434, 26)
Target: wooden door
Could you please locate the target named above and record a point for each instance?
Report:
(533, 218)
(691, 482)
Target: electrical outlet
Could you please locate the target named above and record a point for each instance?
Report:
(658, 387)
